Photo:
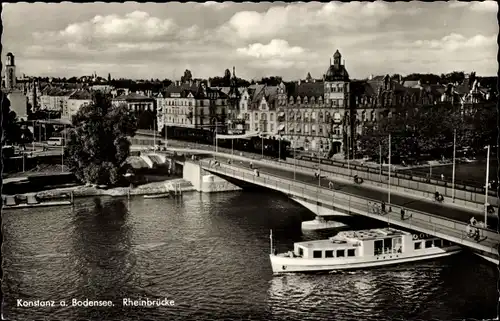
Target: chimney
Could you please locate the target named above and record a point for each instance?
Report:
(371, 77)
(299, 82)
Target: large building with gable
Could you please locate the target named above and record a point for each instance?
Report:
(318, 112)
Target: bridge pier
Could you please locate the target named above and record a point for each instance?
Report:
(324, 216)
(204, 181)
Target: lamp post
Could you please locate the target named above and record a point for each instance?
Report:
(62, 149)
(453, 175)
(486, 187)
(389, 195)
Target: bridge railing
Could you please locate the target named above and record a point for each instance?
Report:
(361, 204)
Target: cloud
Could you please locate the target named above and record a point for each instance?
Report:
(305, 18)
(276, 48)
(131, 26)
(479, 6)
(456, 42)
(216, 5)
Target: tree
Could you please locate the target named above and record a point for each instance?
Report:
(415, 132)
(11, 131)
(98, 145)
(187, 76)
(227, 78)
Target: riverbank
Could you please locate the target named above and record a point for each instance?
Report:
(47, 197)
(146, 189)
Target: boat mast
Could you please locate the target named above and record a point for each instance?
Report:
(271, 238)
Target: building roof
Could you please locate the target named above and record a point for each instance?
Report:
(335, 72)
(81, 95)
(133, 97)
(411, 83)
(306, 89)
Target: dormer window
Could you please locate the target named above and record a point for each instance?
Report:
(291, 99)
(313, 100)
(305, 100)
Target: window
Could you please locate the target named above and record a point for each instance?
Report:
(256, 116)
(446, 243)
(271, 117)
(418, 245)
(317, 254)
(301, 251)
(351, 252)
(271, 127)
(428, 244)
(329, 253)
(340, 253)
(437, 243)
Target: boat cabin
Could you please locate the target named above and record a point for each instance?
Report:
(365, 243)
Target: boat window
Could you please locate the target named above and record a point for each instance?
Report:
(446, 243)
(378, 246)
(340, 253)
(387, 245)
(437, 243)
(418, 245)
(317, 254)
(351, 252)
(329, 253)
(428, 243)
(301, 251)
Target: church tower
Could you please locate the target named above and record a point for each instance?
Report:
(10, 72)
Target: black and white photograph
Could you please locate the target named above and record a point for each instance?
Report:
(250, 161)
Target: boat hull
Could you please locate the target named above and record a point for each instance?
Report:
(487, 258)
(282, 264)
(165, 195)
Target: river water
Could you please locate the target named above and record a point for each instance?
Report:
(208, 253)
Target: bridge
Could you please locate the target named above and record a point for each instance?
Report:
(438, 220)
(461, 193)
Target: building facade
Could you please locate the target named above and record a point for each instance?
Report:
(192, 105)
(136, 103)
(76, 100)
(318, 112)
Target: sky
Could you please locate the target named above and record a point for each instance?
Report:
(151, 40)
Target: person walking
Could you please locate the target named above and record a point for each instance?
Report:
(383, 207)
(402, 214)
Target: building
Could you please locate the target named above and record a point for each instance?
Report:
(18, 104)
(192, 105)
(10, 72)
(76, 101)
(136, 103)
(318, 112)
(55, 99)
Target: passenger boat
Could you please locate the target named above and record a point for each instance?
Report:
(361, 249)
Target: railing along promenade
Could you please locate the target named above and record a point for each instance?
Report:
(463, 195)
(452, 230)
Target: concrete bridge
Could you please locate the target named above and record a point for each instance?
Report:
(324, 201)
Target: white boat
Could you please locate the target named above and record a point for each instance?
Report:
(361, 249)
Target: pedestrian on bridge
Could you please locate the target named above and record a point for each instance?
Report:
(402, 214)
(383, 207)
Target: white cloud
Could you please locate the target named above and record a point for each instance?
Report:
(481, 6)
(485, 6)
(131, 26)
(276, 48)
(457, 42)
(216, 5)
(301, 17)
